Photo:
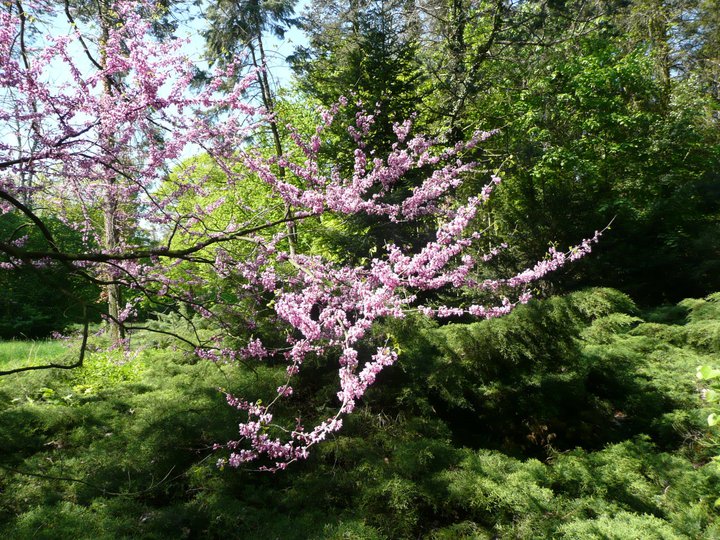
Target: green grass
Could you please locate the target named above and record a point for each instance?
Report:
(15, 354)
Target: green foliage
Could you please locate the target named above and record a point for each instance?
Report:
(559, 373)
(622, 526)
(605, 113)
(586, 131)
(127, 435)
(704, 334)
(164, 330)
(597, 124)
(371, 51)
(38, 301)
(237, 25)
(572, 418)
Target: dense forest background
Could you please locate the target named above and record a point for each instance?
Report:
(577, 416)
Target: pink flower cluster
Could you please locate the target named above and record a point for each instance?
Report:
(111, 140)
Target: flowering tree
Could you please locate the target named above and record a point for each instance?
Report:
(86, 143)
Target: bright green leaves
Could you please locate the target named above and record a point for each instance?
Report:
(707, 372)
(710, 395)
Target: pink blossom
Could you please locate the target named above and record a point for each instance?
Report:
(97, 150)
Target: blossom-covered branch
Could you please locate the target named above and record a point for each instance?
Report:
(124, 152)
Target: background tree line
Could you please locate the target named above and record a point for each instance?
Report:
(605, 111)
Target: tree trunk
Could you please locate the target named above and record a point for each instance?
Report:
(116, 330)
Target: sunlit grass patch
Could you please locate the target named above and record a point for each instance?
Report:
(102, 368)
(15, 354)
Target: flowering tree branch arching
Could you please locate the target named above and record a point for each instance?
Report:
(87, 143)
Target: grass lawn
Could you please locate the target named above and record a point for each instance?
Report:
(15, 354)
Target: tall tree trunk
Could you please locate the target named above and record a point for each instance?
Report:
(110, 228)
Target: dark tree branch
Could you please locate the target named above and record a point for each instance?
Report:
(100, 257)
(71, 20)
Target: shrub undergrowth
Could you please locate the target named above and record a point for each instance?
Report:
(574, 417)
